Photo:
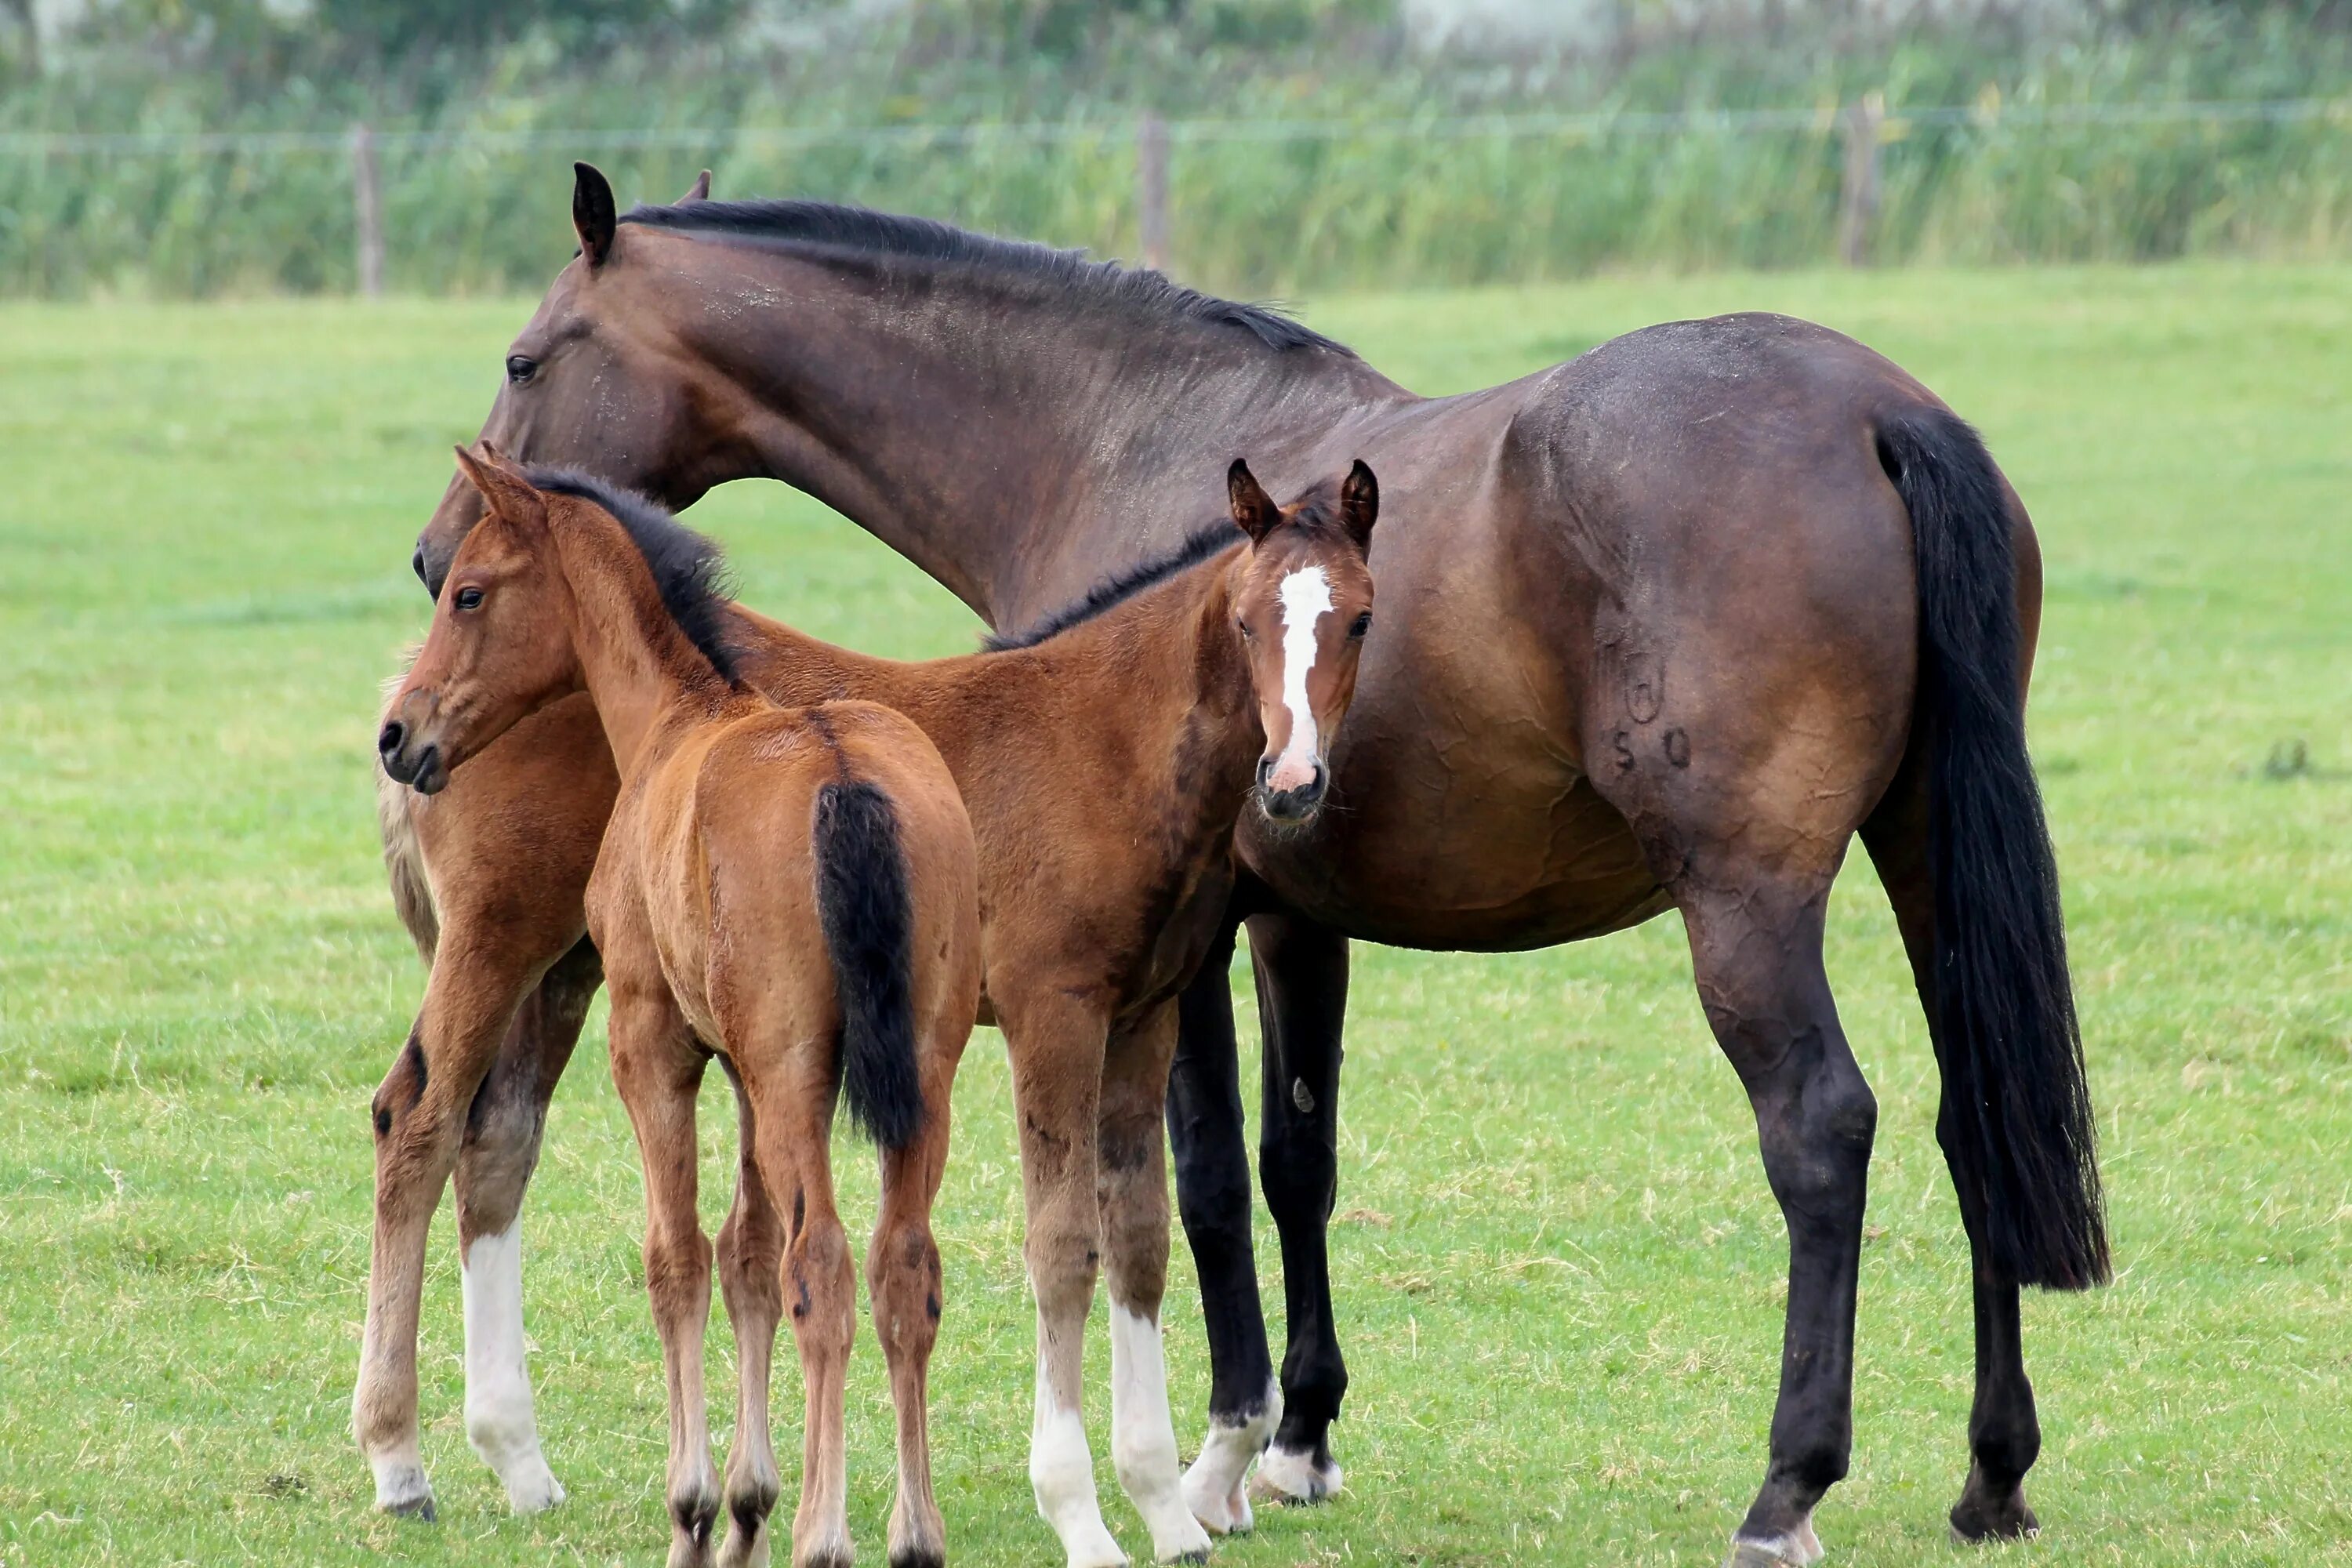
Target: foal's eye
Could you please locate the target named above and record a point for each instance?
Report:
(520, 368)
(469, 598)
(1244, 626)
(1364, 624)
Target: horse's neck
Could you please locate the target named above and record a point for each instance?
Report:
(1014, 451)
(641, 671)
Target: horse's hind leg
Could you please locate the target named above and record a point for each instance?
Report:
(1212, 1196)
(1132, 1182)
(2004, 1433)
(904, 1285)
(1302, 988)
(791, 1105)
(495, 1162)
(1756, 943)
(751, 1250)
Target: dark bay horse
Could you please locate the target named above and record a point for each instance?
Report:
(1714, 597)
(795, 890)
(1103, 757)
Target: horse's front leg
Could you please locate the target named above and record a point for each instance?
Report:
(1055, 1042)
(495, 1163)
(1132, 1187)
(1212, 1195)
(1302, 990)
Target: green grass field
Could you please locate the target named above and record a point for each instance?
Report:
(1559, 1271)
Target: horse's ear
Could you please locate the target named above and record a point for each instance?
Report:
(1253, 510)
(504, 490)
(1360, 504)
(593, 216)
(698, 192)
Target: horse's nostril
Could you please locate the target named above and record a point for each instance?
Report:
(417, 562)
(388, 740)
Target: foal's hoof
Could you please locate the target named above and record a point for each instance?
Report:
(1295, 1476)
(402, 1490)
(419, 1509)
(1988, 1513)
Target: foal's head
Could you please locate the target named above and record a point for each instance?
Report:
(499, 648)
(1303, 595)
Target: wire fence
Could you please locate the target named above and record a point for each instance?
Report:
(1249, 203)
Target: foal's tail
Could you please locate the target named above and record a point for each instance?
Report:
(2005, 1027)
(867, 917)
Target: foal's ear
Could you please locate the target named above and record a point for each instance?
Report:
(504, 490)
(593, 216)
(698, 192)
(1360, 504)
(1253, 510)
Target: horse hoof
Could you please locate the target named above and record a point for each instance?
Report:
(1993, 1510)
(402, 1490)
(1800, 1548)
(533, 1488)
(419, 1509)
(1225, 1514)
(1295, 1476)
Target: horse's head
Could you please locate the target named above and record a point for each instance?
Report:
(1303, 596)
(499, 648)
(598, 379)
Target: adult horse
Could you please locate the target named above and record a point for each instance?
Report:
(1718, 596)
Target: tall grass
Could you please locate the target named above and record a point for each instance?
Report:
(1395, 199)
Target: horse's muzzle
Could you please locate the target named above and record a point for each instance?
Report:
(420, 768)
(1290, 804)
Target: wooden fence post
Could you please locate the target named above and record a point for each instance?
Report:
(1151, 190)
(1858, 209)
(367, 210)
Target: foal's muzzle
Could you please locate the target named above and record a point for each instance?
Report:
(1295, 804)
(419, 767)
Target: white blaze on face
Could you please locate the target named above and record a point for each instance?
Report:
(1305, 598)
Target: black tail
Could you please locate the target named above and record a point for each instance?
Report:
(2011, 1050)
(868, 922)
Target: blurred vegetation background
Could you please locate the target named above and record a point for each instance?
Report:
(202, 147)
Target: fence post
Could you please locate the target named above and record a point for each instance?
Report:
(1151, 190)
(1858, 209)
(367, 210)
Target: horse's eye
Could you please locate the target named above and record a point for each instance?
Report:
(1245, 628)
(520, 368)
(1364, 624)
(469, 598)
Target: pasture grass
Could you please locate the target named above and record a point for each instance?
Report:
(1560, 1273)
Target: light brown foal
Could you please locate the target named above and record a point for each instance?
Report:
(792, 889)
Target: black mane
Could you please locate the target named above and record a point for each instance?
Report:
(687, 568)
(1138, 291)
(1212, 541)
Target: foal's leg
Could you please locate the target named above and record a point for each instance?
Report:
(658, 1067)
(1132, 1177)
(1756, 943)
(1212, 1195)
(904, 1286)
(495, 1162)
(751, 1247)
(2004, 1433)
(1056, 1047)
(792, 1102)
(481, 970)
(1302, 990)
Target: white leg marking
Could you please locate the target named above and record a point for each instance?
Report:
(1292, 1475)
(1061, 1473)
(1306, 597)
(1143, 1438)
(498, 1420)
(400, 1483)
(1212, 1487)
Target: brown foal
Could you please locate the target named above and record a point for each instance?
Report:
(1104, 756)
(792, 889)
